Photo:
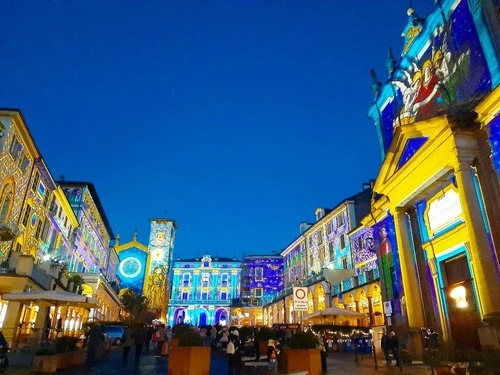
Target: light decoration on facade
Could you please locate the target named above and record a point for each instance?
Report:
(459, 295)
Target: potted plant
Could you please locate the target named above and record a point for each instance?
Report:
(177, 332)
(264, 334)
(303, 354)
(45, 360)
(190, 357)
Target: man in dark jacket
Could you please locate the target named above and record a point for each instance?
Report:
(234, 359)
(385, 344)
(394, 343)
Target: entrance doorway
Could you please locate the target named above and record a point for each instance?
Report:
(463, 312)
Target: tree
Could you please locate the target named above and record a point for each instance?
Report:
(134, 304)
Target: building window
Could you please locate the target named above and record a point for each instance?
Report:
(224, 278)
(320, 237)
(15, 148)
(26, 215)
(223, 296)
(205, 277)
(360, 243)
(331, 250)
(184, 295)
(258, 292)
(185, 279)
(204, 296)
(345, 264)
(39, 227)
(45, 230)
(340, 220)
(36, 181)
(46, 199)
(259, 273)
(24, 163)
(329, 227)
(5, 203)
(342, 241)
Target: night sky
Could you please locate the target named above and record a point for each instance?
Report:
(235, 118)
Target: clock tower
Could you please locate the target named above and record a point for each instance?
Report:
(156, 280)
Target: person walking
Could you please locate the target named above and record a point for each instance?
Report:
(161, 337)
(95, 337)
(385, 344)
(394, 344)
(234, 353)
(139, 339)
(127, 341)
(321, 346)
(272, 358)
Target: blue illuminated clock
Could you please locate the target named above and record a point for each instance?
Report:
(130, 267)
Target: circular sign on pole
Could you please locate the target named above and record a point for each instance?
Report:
(300, 293)
(300, 300)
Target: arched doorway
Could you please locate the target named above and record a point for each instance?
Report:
(310, 302)
(221, 316)
(320, 297)
(179, 316)
(201, 317)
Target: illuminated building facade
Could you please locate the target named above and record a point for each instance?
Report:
(435, 220)
(261, 279)
(93, 252)
(203, 289)
(321, 259)
(146, 269)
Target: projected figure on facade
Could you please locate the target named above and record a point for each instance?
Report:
(157, 287)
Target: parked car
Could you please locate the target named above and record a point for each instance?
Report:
(114, 334)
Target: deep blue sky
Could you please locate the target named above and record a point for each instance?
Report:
(235, 118)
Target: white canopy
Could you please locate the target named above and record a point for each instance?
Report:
(333, 313)
(50, 298)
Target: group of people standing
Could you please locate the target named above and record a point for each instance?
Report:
(140, 336)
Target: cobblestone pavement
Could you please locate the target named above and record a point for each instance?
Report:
(112, 364)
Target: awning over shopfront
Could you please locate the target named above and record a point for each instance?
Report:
(332, 314)
(50, 298)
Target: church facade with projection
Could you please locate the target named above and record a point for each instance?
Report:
(145, 269)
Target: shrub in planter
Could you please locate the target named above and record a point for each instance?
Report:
(302, 340)
(45, 352)
(179, 329)
(303, 354)
(265, 334)
(245, 332)
(66, 344)
(190, 338)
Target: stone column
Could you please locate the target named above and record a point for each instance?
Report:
(411, 290)
(485, 275)
(11, 322)
(408, 271)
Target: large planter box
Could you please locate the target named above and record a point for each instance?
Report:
(44, 363)
(62, 360)
(174, 342)
(304, 360)
(77, 358)
(189, 360)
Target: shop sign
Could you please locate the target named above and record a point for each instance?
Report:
(300, 302)
(444, 210)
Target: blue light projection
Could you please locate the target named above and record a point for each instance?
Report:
(271, 278)
(132, 268)
(411, 147)
(294, 266)
(385, 241)
(495, 142)
(443, 69)
(363, 250)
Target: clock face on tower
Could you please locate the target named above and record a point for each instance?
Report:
(157, 254)
(130, 267)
